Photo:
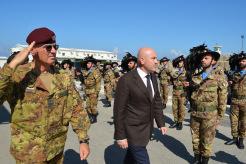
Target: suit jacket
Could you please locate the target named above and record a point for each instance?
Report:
(135, 110)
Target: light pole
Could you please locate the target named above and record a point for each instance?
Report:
(242, 37)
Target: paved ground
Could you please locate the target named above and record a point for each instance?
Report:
(173, 148)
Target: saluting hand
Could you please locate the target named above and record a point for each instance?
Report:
(21, 56)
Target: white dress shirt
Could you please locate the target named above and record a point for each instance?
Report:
(142, 74)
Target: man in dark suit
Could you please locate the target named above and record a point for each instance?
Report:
(137, 104)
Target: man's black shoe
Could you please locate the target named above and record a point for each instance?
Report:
(231, 142)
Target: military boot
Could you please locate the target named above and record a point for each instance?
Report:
(94, 118)
(108, 104)
(233, 141)
(179, 126)
(174, 125)
(197, 159)
(240, 143)
(90, 118)
(204, 160)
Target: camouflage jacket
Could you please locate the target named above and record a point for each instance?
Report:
(177, 80)
(92, 79)
(165, 74)
(209, 95)
(109, 77)
(238, 87)
(42, 106)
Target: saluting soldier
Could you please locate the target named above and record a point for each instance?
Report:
(208, 105)
(91, 79)
(109, 83)
(179, 92)
(43, 101)
(238, 105)
(165, 77)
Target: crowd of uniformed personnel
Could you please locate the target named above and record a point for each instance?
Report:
(197, 79)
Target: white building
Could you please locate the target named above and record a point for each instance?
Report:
(77, 54)
(3, 60)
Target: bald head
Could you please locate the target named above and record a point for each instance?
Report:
(144, 52)
(147, 59)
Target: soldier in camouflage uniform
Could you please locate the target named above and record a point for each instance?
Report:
(109, 80)
(179, 94)
(99, 74)
(43, 102)
(67, 65)
(91, 79)
(164, 76)
(208, 104)
(117, 74)
(238, 105)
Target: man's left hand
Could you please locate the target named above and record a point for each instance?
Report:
(163, 130)
(84, 151)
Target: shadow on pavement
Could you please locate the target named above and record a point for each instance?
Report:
(72, 157)
(222, 136)
(168, 120)
(174, 145)
(224, 157)
(114, 155)
(4, 115)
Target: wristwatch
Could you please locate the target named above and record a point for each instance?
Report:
(84, 141)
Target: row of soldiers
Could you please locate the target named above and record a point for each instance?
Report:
(205, 85)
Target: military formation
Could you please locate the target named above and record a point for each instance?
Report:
(43, 98)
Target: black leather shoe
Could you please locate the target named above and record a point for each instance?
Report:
(197, 159)
(174, 125)
(179, 126)
(240, 144)
(205, 160)
(231, 142)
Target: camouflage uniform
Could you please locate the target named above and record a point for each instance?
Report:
(179, 95)
(238, 105)
(116, 72)
(91, 79)
(208, 104)
(42, 105)
(165, 81)
(98, 85)
(109, 80)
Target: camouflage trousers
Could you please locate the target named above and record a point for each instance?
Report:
(108, 89)
(203, 133)
(178, 106)
(238, 119)
(58, 159)
(91, 103)
(164, 92)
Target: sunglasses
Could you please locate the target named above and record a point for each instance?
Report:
(49, 47)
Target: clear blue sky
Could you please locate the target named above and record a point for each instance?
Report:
(169, 26)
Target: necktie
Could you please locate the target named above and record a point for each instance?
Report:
(149, 86)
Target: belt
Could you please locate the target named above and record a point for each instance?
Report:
(205, 108)
(178, 88)
(239, 97)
